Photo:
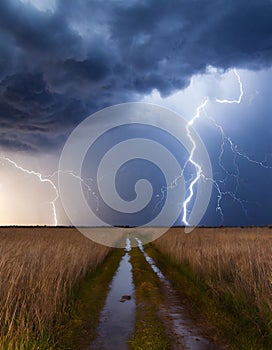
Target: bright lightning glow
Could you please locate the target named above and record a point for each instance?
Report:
(191, 160)
(237, 101)
(198, 168)
(47, 179)
(83, 181)
(225, 140)
(41, 179)
(199, 174)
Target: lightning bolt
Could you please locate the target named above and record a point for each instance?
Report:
(41, 179)
(199, 173)
(191, 160)
(47, 179)
(83, 181)
(195, 179)
(238, 101)
(225, 141)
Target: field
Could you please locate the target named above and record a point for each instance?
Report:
(229, 271)
(39, 267)
(52, 280)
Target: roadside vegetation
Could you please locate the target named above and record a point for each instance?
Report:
(42, 273)
(81, 319)
(226, 274)
(149, 332)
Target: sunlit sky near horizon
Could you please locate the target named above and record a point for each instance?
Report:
(61, 61)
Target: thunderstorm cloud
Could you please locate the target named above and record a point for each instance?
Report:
(60, 63)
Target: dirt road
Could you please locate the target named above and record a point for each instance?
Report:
(118, 321)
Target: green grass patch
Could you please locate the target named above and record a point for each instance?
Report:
(82, 316)
(236, 319)
(25, 342)
(150, 333)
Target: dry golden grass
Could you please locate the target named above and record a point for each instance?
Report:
(234, 260)
(38, 269)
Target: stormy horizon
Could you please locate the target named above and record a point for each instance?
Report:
(209, 62)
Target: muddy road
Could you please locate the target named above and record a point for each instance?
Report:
(117, 319)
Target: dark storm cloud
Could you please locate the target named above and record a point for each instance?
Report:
(31, 116)
(57, 67)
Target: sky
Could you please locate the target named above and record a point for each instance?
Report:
(63, 60)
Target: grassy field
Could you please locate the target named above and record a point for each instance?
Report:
(53, 285)
(227, 273)
(39, 269)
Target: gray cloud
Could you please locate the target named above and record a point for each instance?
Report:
(58, 67)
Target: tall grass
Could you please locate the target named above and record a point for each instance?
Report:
(233, 262)
(38, 269)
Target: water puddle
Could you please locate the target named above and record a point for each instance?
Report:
(117, 317)
(184, 329)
